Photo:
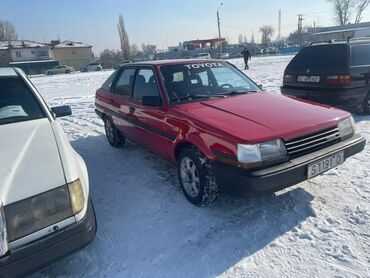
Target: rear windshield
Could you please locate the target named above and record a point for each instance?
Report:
(17, 103)
(360, 55)
(320, 57)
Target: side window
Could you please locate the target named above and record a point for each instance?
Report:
(360, 55)
(108, 83)
(124, 83)
(145, 84)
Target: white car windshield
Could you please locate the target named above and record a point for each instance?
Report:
(17, 103)
(187, 82)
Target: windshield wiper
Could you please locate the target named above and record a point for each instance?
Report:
(234, 93)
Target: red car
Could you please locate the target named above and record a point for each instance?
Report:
(222, 131)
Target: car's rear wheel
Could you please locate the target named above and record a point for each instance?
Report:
(68, 71)
(98, 69)
(196, 178)
(114, 137)
(50, 73)
(367, 104)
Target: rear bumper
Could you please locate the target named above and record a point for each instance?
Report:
(246, 183)
(344, 98)
(44, 251)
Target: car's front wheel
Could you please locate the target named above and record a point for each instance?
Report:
(68, 71)
(114, 137)
(50, 73)
(367, 104)
(196, 178)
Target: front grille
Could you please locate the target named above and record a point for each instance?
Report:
(313, 142)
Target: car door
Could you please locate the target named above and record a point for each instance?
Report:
(120, 99)
(149, 119)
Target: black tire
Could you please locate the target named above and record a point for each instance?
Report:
(50, 73)
(367, 104)
(207, 188)
(98, 69)
(114, 137)
(68, 71)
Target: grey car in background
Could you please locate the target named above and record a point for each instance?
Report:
(59, 70)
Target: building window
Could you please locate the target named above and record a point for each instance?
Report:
(18, 54)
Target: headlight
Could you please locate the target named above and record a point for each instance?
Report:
(37, 212)
(261, 152)
(346, 128)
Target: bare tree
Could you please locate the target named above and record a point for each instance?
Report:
(360, 8)
(344, 9)
(124, 40)
(240, 39)
(7, 31)
(134, 49)
(149, 49)
(267, 31)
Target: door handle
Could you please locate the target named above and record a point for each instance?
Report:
(132, 109)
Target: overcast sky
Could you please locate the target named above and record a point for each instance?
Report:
(160, 22)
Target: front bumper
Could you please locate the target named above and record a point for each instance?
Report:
(44, 251)
(247, 183)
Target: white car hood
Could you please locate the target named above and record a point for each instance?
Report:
(29, 160)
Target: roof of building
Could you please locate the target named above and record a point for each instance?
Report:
(21, 44)
(342, 28)
(71, 44)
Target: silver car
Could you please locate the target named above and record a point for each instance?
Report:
(60, 69)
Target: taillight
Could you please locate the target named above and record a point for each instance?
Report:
(339, 79)
(287, 78)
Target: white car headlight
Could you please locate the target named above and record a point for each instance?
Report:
(261, 152)
(347, 128)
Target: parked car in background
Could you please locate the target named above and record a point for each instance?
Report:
(45, 207)
(223, 56)
(204, 55)
(235, 55)
(333, 73)
(59, 70)
(92, 67)
(222, 131)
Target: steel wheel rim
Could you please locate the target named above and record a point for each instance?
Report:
(189, 177)
(109, 131)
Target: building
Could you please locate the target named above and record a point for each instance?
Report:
(342, 32)
(204, 44)
(33, 57)
(74, 54)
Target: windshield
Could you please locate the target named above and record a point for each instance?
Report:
(188, 82)
(17, 104)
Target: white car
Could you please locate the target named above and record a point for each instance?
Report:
(60, 69)
(45, 210)
(204, 55)
(92, 67)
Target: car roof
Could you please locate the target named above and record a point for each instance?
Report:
(353, 41)
(171, 62)
(7, 72)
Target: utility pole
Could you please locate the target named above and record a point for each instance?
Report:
(279, 26)
(300, 23)
(219, 29)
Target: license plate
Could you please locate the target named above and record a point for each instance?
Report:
(323, 165)
(309, 79)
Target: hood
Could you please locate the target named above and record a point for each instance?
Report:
(29, 160)
(258, 117)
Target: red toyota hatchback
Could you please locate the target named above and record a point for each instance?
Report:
(222, 131)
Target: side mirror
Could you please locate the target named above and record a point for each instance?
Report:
(151, 101)
(61, 111)
(260, 86)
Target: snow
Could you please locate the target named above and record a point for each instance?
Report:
(146, 227)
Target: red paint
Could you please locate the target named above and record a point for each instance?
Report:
(218, 124)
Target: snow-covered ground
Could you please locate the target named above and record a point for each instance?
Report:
(146, 228)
